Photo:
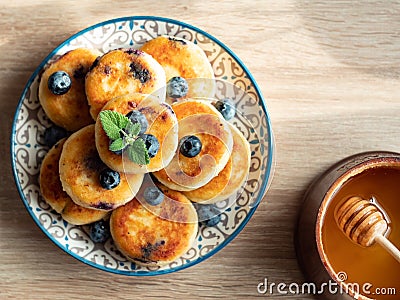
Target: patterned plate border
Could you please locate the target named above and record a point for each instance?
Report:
(267, 163)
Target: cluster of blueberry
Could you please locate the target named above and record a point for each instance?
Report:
(59, 83)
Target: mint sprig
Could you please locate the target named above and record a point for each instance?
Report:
(124, 135)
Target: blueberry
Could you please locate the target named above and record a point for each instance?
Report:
(109, 179)
(99, 231)
(137, 117)
(153, 195)
(226, 108)
(177, 87)
(208, 214)
(59, 83)
(53, 134)
(190, 146)
(204, 211)
(152, 144)
(213, 221)
(143, 75)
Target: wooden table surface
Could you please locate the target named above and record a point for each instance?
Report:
(330, 73)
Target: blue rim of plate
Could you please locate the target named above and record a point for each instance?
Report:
(266, 178)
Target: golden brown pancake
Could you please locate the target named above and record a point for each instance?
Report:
(162, 124)
(120, 72)
(70, 110)
(180, 57)
(231, 178)
(80, 168)
(201, 119)
(156, 237)
(53, 194)
(212, 189)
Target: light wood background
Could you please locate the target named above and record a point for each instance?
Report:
(330, 71)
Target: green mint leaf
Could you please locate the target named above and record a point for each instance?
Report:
(112, 123)
(132, 129)
(137, 152)
(117, 145)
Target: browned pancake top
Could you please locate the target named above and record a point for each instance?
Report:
(120, 72)
(162, 124)
(231, 178)
(212, 188)
(151, 237)
(80, 168)
(179, 57)
(198, 118)
(53, 194)
(70, 110)
(183, 58)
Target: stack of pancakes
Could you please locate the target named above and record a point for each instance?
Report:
(123, 80)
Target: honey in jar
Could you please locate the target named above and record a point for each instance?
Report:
(374, 271)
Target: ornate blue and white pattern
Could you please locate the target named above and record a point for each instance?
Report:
(233, 80)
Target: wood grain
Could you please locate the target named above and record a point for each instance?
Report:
(330, 71)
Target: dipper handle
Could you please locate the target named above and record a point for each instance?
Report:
(388, 246)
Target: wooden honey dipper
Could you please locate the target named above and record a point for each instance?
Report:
(363, 222)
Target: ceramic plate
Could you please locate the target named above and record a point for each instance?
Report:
(28, 149)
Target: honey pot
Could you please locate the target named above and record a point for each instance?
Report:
(326, 254)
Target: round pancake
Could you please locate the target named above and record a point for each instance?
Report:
(231, 178)
(70, 110)
(180, 57)
(162, 124)
(198, 118)
(80, 168)
(120, 72)
(53, 194)
(157, 237)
